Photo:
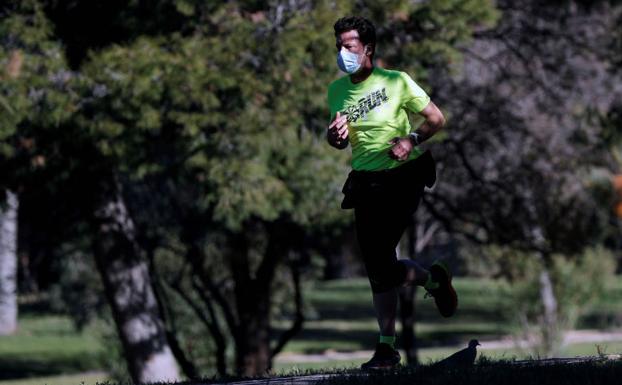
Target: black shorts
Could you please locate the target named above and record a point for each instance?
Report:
(384, 203)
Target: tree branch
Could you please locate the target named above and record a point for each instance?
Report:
(195, 256)
(219, 338)
(186, 364)
(211, 327)
(299, 318)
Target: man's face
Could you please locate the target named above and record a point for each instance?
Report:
(350, 41)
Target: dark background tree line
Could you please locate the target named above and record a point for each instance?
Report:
(177, 146)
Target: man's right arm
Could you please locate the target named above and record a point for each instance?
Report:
(337, 132)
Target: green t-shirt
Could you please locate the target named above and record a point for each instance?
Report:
(376, 109)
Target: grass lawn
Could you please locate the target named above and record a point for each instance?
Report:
(493, 373)
(47, 345)
(430, 355)
(89, 378)
(341, 318)
(344, 321)
(484, 372)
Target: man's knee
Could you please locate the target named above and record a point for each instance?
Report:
(385, 278)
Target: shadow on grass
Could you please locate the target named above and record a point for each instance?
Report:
(347, 312)
(21, 367)
(368, 339)
(327, 338)
(425, 311)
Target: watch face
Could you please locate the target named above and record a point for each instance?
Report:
(415, 137)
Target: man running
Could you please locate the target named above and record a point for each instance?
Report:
(369, 111)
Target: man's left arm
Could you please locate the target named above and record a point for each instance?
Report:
(434, 121)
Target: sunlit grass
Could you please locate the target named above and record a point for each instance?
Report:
(343, 317)
(47, 345)
(48, 334)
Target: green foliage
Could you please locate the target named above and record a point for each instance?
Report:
(419, 36)
(578, 282)
(31, 73)
(78, 292)
(167, 105)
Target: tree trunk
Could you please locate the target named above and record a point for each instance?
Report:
(299, 317)
(252, 338)
(253, 356)
(253, 298)
(8, 265)
(550, 332)
(407, 302)
(407, 317)
(129, 290)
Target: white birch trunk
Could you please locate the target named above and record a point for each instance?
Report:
(128, 287)
(550, 333)
(8, 265)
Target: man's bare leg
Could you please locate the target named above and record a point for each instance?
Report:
(385, 303)
(386, 311)
(415, 274)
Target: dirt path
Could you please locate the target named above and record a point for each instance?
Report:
(571, 337)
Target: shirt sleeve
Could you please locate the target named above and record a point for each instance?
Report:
(414, 97)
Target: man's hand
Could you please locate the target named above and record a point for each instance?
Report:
(401, 148)
(337, 133)
(434, 121)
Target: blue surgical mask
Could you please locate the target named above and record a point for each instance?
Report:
(348, 62)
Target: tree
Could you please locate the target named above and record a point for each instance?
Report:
(8, 211)
(45, 100)
(8, 265)
(12, 103)
(185, 149)
(521, 144)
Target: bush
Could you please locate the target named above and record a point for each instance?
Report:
(577, 282)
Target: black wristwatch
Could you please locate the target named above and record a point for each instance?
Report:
(414, 138)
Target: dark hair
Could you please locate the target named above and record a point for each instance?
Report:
(364, 27)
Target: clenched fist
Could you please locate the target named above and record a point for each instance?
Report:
(401, 148)
(337, 133)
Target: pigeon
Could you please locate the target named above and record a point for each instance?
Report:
(461, 359)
